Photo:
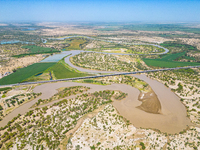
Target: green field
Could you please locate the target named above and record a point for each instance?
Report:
(171, 57)
(168, 64)
(75, 44)
(24, 73)
(170, 60)
(174, 35)
(184, 47)
(33, 49)
(61, 71)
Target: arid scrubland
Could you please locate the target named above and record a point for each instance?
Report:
(9, 50)
(15, 97)
(16, 63)
(36, 125)
(107, 62)
(110, 130)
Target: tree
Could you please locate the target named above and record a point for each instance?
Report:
(92, 147)
(142, 144)
(1, 108)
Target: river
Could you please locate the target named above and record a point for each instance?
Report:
(172, 119)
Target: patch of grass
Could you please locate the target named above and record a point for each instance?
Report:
(5, 89)
(189, 58)
(75, 44)
(3, 96)
(170, 44)
(92, 81)
(21, 74)
(42, 77)
(61, 71)
(171, 57)
(168, 64)
(168, 61)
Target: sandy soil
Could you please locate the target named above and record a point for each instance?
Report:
(150, 102)
(79, 123)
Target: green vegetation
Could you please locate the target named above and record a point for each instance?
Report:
(188, 71)
(124, 48)
(183, 47)
(174, 35)
(5, 89)
(142, 144)
(48, 130)
(161, 27)
(93, 81)
(76, 43)
(1, 108)
(144, 49)
(39, 77)
(33, 49)
(61, 71)
(178, 52)
(63, 93)
(21, 74)
(180, 88)
(171, 57)
(167, 61)
(12, 102)
(98, 61)
(17, 100)
(167, 64)
(134, 82)
(122, 79)
(120, 95)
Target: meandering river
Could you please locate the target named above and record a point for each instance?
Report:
(173, 117)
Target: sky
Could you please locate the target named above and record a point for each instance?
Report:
(100, 10)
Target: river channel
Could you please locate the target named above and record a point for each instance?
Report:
(172, 119)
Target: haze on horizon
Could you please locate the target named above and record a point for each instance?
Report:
(100, 10)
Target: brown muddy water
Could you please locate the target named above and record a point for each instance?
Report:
(171, 118)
